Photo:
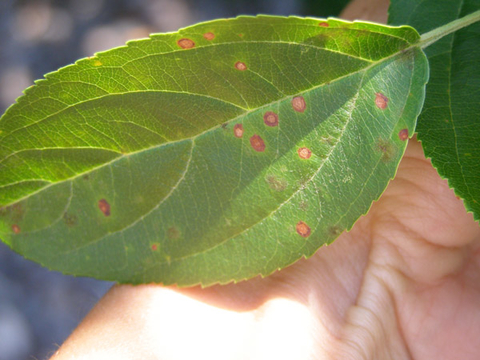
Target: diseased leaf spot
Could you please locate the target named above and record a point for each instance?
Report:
(154, 247)
(304, 153)
(15, 212)
(209, 36)
(173, 233)
(275, 183)
(334, 231)
(186, 43)
(104, 207)
(240, 66)
(303, 205)
(302, 182)
(303, 229)
(403, 134)
(381, 101)
(70, 219)
(238, 130)
(16, 229)
(324, 24)
(322, 39)
(387, 148)
(257, 143)
(298, 104)
(329, 140)
(270, 119)
(97, 63)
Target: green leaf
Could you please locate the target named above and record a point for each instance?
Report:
(226, 150)
(448, 125)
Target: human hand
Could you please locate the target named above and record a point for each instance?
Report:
(404, 283)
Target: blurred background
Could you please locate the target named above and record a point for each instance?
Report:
(40, 308)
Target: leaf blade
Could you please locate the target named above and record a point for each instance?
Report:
(196, 192)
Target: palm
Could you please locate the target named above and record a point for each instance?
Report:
(403, 283)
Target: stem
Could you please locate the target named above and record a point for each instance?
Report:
(436, 34)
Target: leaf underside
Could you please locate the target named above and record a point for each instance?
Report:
(448, 125)
(229, 149)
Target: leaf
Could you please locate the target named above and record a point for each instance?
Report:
(226, 150)
(448, 125)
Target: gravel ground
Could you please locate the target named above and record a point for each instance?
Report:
(40, 308)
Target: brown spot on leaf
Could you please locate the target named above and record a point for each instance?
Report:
(387, 148)
(16, 229)
(329, 140)
(17, 209)
(224, 125)
(324, 24)
(15, 212)
(403, 134)
(302, 182)
(257, 143)
(298, 104)
(275, 183)
(240, 35)
(303, 205)
(304, 153)
(334, 231)
(303, 229)
(270, 118)
(154, 247)
(173, 233)
(381, 101)
(322, 39)
(209, 36)
(238, 130)
(70, 219)
(104, 207)
(186, 43)
(240, 66)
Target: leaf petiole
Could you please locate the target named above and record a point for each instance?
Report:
(436, 34)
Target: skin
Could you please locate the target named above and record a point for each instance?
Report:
(403, 284)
